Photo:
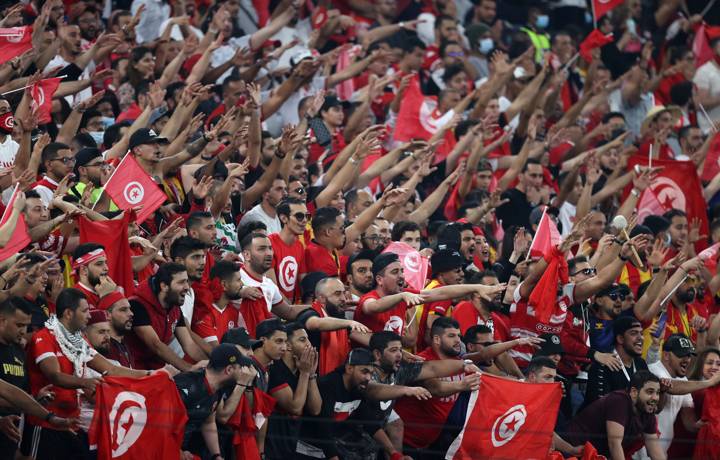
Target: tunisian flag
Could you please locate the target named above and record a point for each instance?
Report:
(415, 266)
(707, 445)
(595, 39)
(602, 7)
(709, 256)
(130, 186)
(247, 421)
(14, 41)
(42, 95)
(419, 118)
(546, 237)
(138, 419)
(113, 235)
(20, 237)
(508, 419)
(712, 161)
(676, 186)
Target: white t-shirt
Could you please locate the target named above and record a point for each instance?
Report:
(257, 214)
(708, 77)
(567, 216)
(8, 150)
(666, 418)
(187, 310)
(270, 290)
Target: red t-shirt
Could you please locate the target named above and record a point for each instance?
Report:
(252, 312)
(288, 264)
(92, 298)
(43, 345)
(467, 315)
(424, 420)
(390, 320)
(320, 259)
(212, 323)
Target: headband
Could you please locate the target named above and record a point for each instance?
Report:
(88, 258)
(110, 299)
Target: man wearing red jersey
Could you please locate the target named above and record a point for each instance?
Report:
(288, 252)
(224, 313)
(90, 264)
(58, 355)
(480, 311)
(321, 254)
(385, 307)
(424, 422)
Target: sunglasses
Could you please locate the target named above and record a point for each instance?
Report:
(302, 216)
(299, 191)
(586, 272)
(616, 296)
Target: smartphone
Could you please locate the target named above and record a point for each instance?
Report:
(661, 325)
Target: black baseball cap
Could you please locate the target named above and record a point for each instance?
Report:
(310, 281)
(623, 323)
(383, 260)
(239, 336)
(145, 136)
(679, 345)
(85, 156)
(267, 328)
(551, 345)
(226, 355)
(330, 101)
(606, 291)
(360, 357)
(446, 260)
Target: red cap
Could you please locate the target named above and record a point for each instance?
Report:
(109, 300)
(98, 316)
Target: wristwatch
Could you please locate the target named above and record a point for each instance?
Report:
(49, 416)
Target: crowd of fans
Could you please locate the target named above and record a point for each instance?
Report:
(274, 130)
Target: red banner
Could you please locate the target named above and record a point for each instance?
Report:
(14, 41)
(415, 266)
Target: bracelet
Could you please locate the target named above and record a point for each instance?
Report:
(205, 137)
(402, 26)
(635, 192)
(353, 161)
(702, 331)
(624, 259)
(241, 385)
(313, 376)
(214, 456)
(277, 154)
(49, 416)
(396, 456)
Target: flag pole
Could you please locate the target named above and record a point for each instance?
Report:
(13, 197)
(26, 86)
(705, 114)
(527, 256)
(102, 190)
(592, 5)
(650, 153)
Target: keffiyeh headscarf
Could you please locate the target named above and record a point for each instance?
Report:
(72, 344)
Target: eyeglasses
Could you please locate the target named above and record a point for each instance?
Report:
(299, 191)
(65, 160)
(302, 216)
(373, 238)
(616, 296)
(456, 54)
(585, 271)
(101, 164)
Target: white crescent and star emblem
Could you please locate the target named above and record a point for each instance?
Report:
(412, 262)
(507, 425)
(133, 192)
(128, 418)
(287, 273)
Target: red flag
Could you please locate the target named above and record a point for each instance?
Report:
(419, 118)
(113, 235)
(595, 39)
(42, 95)
(707, 444)
(20, 237)
(543, 297)
(14, 41)
(508, 419)
(138, 419)
(414, 265)
(130, 186)
(677, 186)
(602, 7)
(712, 160)
(546, 237)
(701, 45)
(709, 256)
(247, 421)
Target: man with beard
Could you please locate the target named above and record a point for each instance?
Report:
(621, 422)
(386, 307)
(330, 333)
(266, 297)
(461, 238)
(628, 345)
(90, 170)
(224, 313)
(428, 428)
(266, 210)
(88, 22)
(683, 315)
(607, 307)
(121, 322)
(321, 254)
(359, 278)
(90, 264)
(343, 391)
(157, 319)
(478, 311)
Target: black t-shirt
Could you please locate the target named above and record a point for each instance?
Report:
(602, 380)
(516, 211)
(12, 360)
(590, 424)
(379, 411)
(283, 428)
(199, 400)
(338, 404)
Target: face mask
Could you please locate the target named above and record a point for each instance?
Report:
(542, 21)
(108, 121)
(617, 132)
(7, 122)
(486, 45)
(97, 136)
(630, 24)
